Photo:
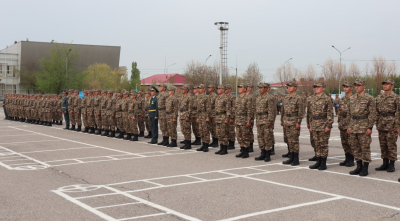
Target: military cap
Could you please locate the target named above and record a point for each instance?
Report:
(123, 91)
(90, 92)
(201, 86)
(171, 88)
(211, 86)
(267, 85)
(116, 91)
(126, 92)
(190, 86)
(109, 92)
(347, 84)
(140, 92)
(153, 88)
(185, 87)
(292, 83)
(261, 84)
(319, 84)
(133, 92)
(360, 82)
(221, 86)
(119, 95)
(64, 92)
(98, 90)
(228, 86)
(76, 91)
(104, 91)
(60, 95)
(71, 90)
(242, 85)
(388, 81)
(249, 85)
(147, 92)
(163, 85)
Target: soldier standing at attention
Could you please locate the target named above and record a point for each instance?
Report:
(184, 117)
(308, 116)
(118, 115)
(203, 110)
(265, 116)
(336, 102)
(98, 98)
(71, 98)
(77, 110)
(90, 111)
(252, 99)
(110, 114)
(125, 119)
(105, 126)
(84, 111)
(243, 121)
(211, 125)
(146, 114)
(142, 107)
(231, 126)
(59, 109)
(321, 120)
(343, 123)
(64, 108)
(387, 124)
(153, 115)
(171, 107)
(362, 120)
(222, 117)
(292, 115)
(162, 97)
(194, 115)
(133, 125)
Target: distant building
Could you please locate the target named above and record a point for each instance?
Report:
(27, 54)
(170, 79)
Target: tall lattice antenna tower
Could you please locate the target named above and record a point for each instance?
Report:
(223, 48)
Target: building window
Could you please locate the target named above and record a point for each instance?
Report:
(1, 70)
(9, 71)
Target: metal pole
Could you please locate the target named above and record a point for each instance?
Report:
(340, 62)
(207, 59)
(220, 59)
(236, 81)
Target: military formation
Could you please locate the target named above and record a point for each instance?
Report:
(218, 118)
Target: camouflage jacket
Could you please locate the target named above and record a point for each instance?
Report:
(59, 105)
(162, 98)
(343, 113)
(211, 100)
(222, 109)
(77, 104)
(203, 108)
(90, 105)
(146, 106)
(362, 113)
(131, 107)
(292, 110)
(252, 99)
(265, 109)
(232, 101)
(242, 110)
(103, 105)
(97, 100)
(84, 104)
(171, 107)
(193, 105)
(139, 106)
(387, 104)
(321, 113)
(111, 105)
(184, 107)
(308, 114)
(118, 108)
(125, 105)
(336, 101)
(71, 102)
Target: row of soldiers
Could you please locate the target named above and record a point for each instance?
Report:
(34, 108)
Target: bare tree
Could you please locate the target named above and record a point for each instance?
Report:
(307, 78)
(252, 75)
(286, 73)
(353, 72)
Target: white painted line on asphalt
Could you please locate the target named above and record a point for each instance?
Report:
(35, 141)
(157, 184)
(124, 204)
(17, 135)
(55, 150)
(97, 195)
(145, 216)
(282, 209)
(24, 156)
(198, 178)
(85, 206)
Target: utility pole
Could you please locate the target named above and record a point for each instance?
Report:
(340, 62)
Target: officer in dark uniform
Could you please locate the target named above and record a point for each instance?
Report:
(153, 115)
(64, 108)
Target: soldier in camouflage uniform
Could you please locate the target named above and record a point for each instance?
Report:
(97, 100)
(308, 115)
(203, 110)
(265, 118)
(291, 117)
(118, 116)
(59, 109)
(336, 102)
(105, 126)
(387, 124)
(211, 125)
(77, 110)
(252, 99)
(161, 98)
(171, 107)
(146, 114)
(222, 117)
(84, 111)
(243, 115)
(343, 123)
(194, 115)
(125, 118)
(71, 98)
(142, 107)
(362, 120)
(231, 126)
(184, 117)
(111, 102)
(321, 120)
(133, 125)
(90, 112)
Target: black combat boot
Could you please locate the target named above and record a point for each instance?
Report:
(241, 152)
(40, 122)
(182, 141)
(79, 128)
(323, 164)
(345, 160)
(183, 147)
(105, 133)
(251, 148)
(358, 169)
(201, 148)
(215, 142)
(86, 130)
(245, 153)
(66, 127)
(350, 160)
(290, 160)
(162, 142)
(220, 149)
(295, 161)
(166, 143)
(205, 147)
(50, 124)
(172, 144)
(112, 134)
(288, 153)
(262, 155)
(141, 134)
(91, 130)
(188, 145)
(224, 150)
(121, 135)
(73, 127)
(117, 131)
(272, 150)
(316, 165)
(314, 158)
(135, 137)
(391, 168)
(149, 135)
(197, 141)
(231, 145)
(364, 171)
(37, 122)
(267, 156)
(384, 166)
(128, 136)
(98, 132)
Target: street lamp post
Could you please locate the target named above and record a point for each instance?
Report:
(207, 59)
(169, 66)
(340, 62)
(236, 80)
(66, 69)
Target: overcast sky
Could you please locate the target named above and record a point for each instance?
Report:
(266, 32)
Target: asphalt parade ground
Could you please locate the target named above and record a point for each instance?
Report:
(48, 173)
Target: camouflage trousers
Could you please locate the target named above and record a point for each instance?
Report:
(141, 123)
(211, 127)
(71, 117)
(111, 122)
(90, 117)
(321, 139)
(250, 132)
(85, 119)
(242, 136)
(195, 126)
(172, 128)
(231, 131)
(78, 119)
(54, 115)
(293, 138)
(264, 135)
(285, 138)
(131, 126)
(97, 119)
(388, 143)
(336, 110)
(312, 141)
(47, 116)
(147, 123)
(120, 123)
(163, 123)
(344, 137)
(185, 128)
(360, 146)
(221, 133)
(203, 128)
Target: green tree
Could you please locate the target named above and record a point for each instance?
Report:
(135, 76)
(102, 76)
